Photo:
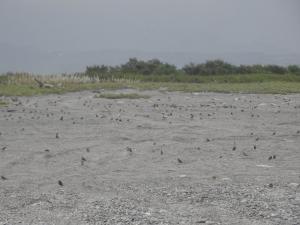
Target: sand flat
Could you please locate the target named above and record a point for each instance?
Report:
(175, 158)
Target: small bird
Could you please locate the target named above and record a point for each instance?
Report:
(161, 152)
(47, 150)
(254, 147)
(274, 133)
(271, 157)
(87, 149)
(3, 178)
(234, 145)
(179, 160)
(257, 139)
(83, 160)
(207, 140)
(56, 135)
(274, 156)
(60, 183)
(62, 118)
(4, 148)
(129, 149)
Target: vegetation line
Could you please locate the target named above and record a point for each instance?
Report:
(212, 76)
(210, 67)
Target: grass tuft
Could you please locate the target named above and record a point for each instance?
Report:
(122, 96)
(2, 103)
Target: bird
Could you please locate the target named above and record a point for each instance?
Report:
(179, 160)
(3, 178)
(4, 148)
(83, 160)
(234, 146)
(271, 157)
(62, 118)
(47, 150)
(161, 152)
(274, 156)
(254, 147)
(60, 183)
(56, 136)
(129, 149)
(87, 149)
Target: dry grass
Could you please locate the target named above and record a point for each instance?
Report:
(3, 103)
(24, 85)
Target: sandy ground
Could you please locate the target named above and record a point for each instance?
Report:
(176, 158)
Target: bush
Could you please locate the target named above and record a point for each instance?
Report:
(294, 69)
(276, 69)
(212, 67)
(149, 67)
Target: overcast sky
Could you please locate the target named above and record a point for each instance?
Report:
(271, 26)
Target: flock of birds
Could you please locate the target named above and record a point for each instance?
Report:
(165, 115)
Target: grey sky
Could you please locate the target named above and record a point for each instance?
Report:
(66, 35)
(153, 25)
